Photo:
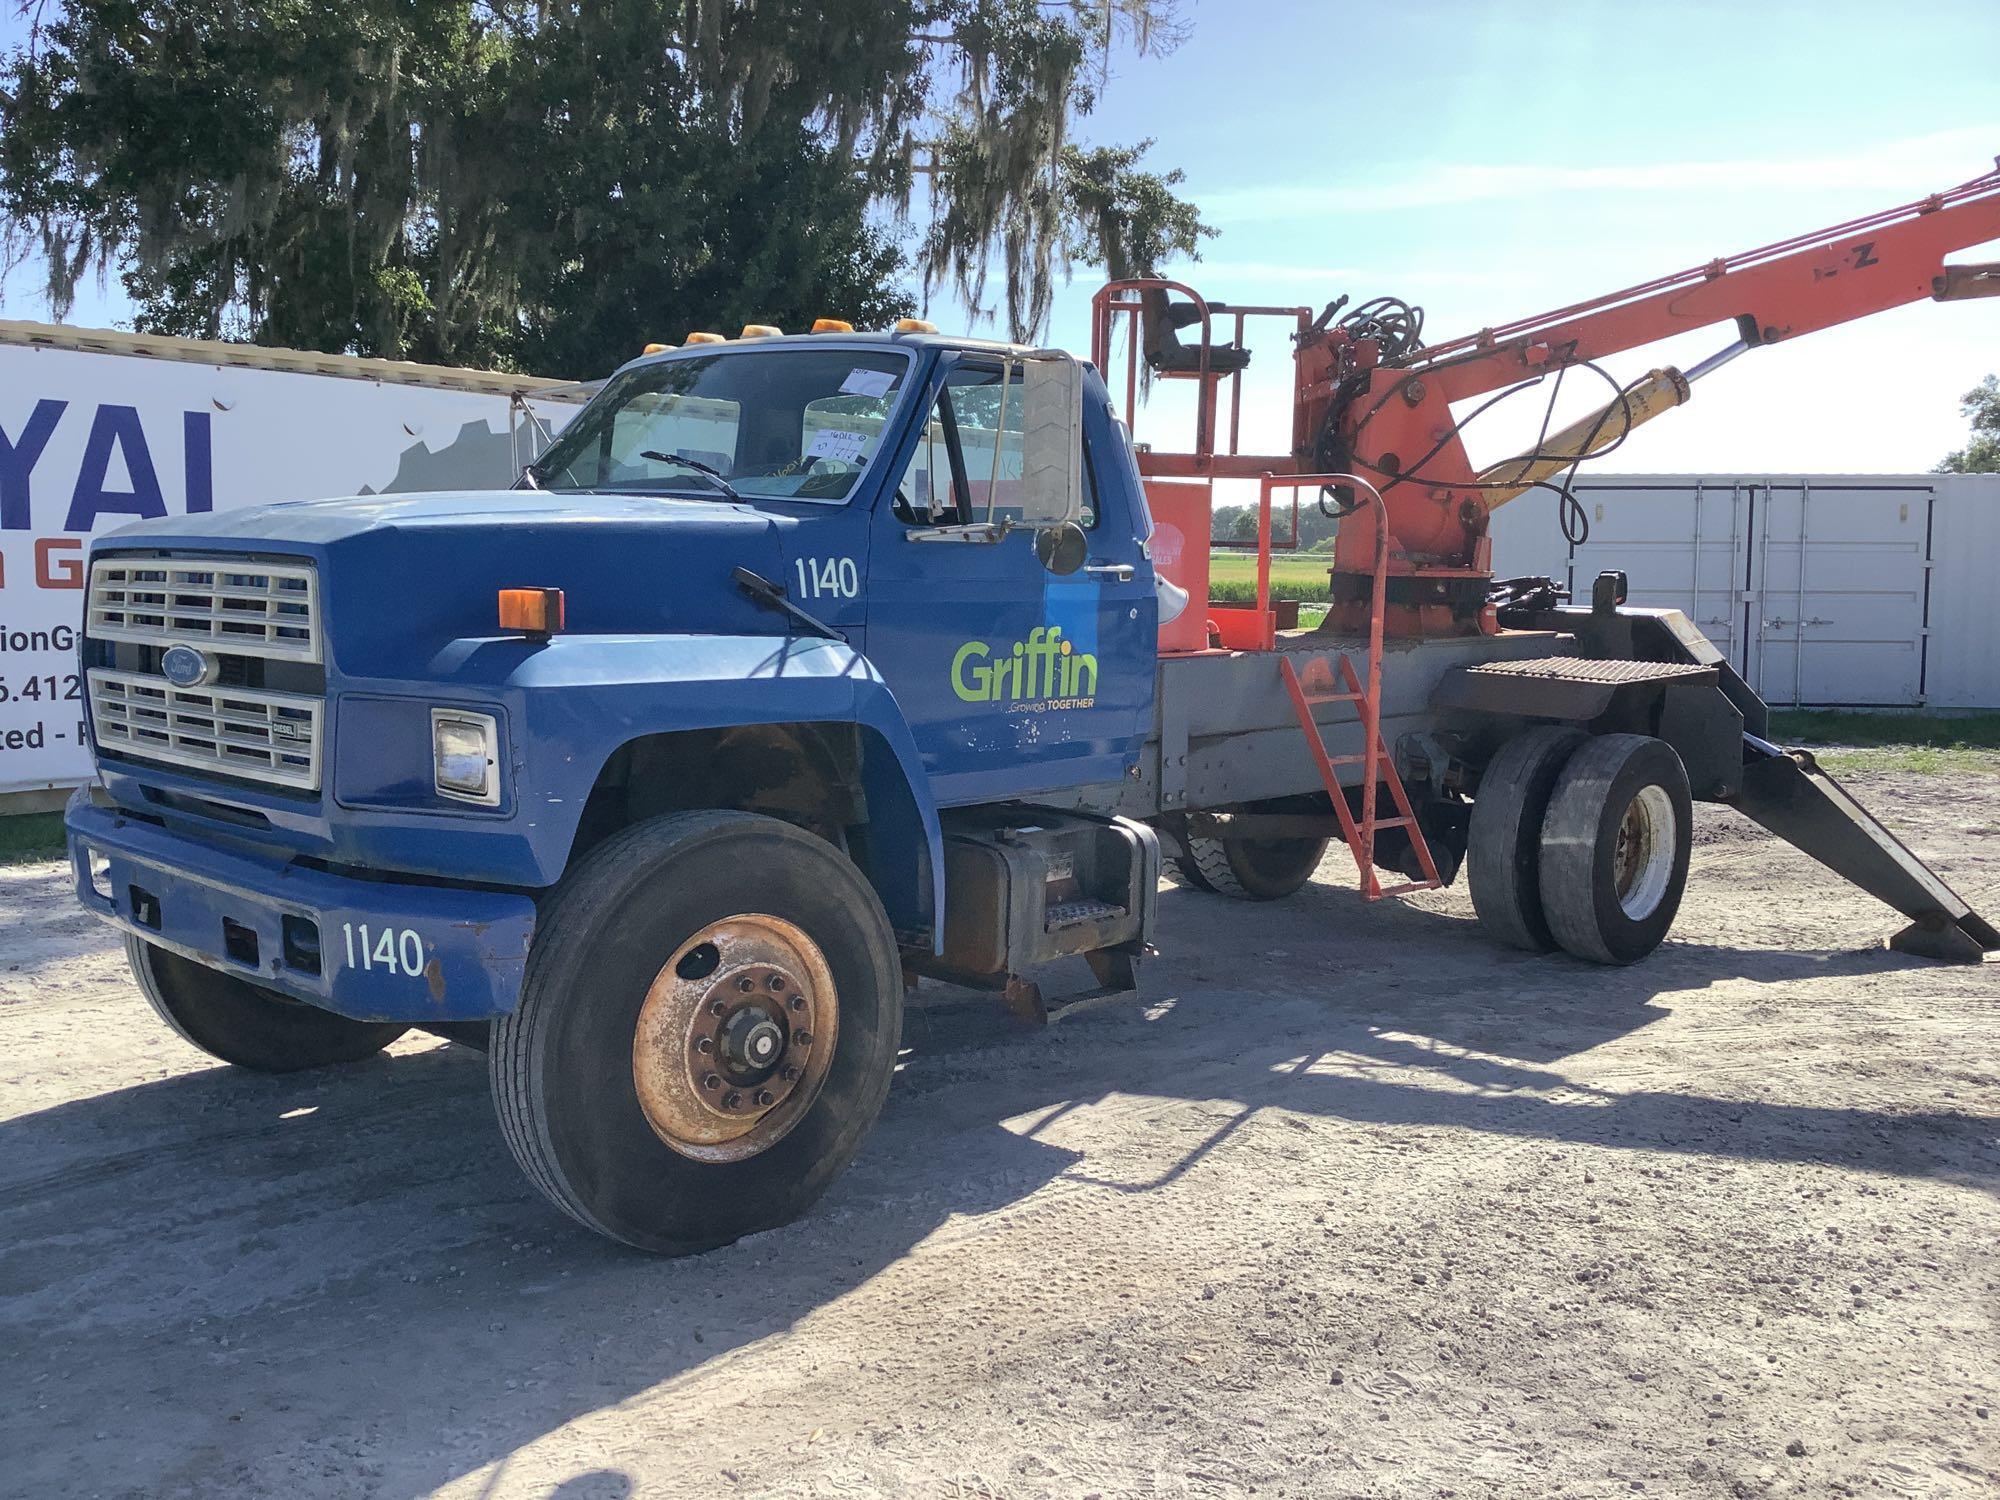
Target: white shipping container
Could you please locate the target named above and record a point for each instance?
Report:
(1825, 590)
(98, 429)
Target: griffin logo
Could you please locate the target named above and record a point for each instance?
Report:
(1044, 671)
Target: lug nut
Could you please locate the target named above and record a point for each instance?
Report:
(776, 981)
(746, 984)
(731, 1099)
(703, 1045)
(803, 1038)
(798, 1002)
(790, 1074)
(716, 1007)
(713, 1081)
(765, 1096)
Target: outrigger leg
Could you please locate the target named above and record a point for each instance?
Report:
(1788, 793)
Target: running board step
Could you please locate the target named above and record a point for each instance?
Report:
(1787, 792)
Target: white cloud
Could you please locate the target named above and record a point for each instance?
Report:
(1220, 274)
(1911, 166)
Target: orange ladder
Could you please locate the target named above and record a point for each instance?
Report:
(1377, 764)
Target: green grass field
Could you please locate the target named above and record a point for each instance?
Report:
(1232, 576)
(31, 836)
(1932, 744)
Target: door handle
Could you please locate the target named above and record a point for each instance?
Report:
(1122, 572)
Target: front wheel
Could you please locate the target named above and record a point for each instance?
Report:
(706, 1032)
(245, 1024)
(1615, 846)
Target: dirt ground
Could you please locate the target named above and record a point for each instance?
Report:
(1349, 1203)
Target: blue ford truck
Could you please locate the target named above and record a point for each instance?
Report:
(798, 668)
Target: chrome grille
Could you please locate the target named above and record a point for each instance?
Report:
(235, 606)
(237, 731)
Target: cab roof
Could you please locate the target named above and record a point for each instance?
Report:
(850, 340)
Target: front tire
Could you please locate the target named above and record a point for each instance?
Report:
(1615, 847)
(706, 1033)
(245, 1024)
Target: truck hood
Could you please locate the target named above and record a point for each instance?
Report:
(403, 574)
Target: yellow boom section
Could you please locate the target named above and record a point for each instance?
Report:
(1660, 391)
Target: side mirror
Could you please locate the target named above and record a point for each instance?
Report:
(1062, 548)
(1051, 395)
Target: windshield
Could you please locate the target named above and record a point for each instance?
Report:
(784, 424)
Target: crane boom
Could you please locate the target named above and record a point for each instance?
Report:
(1371, 399)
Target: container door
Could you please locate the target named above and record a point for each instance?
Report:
(1839, 612)
(1680, 543)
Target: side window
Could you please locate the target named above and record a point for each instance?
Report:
(967, 468)
(1088, 520)
(926, 496)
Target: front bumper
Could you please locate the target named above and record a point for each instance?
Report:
(374, 950)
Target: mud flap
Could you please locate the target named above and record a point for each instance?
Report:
(1787, 792)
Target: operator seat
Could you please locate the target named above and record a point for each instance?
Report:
(1166, 355)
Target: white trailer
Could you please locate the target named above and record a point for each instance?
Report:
(100, 428)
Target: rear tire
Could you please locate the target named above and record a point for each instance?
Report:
(1615, 846)
(245, 1024)
(1251, 869)
(600, 1076)
(1504, 837)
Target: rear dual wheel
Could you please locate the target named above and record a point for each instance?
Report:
(1581, 843)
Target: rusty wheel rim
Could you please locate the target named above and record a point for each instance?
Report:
(735, 1037)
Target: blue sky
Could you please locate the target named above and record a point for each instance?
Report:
(1490, 158)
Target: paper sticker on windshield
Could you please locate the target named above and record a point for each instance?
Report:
(867, 382)
(832, 442)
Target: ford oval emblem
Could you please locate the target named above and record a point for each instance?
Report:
(186, 667)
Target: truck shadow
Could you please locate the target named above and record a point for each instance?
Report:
(343, 1275)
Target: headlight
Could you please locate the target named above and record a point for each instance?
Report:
(465, 756)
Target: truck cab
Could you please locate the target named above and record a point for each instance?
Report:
(651, 773)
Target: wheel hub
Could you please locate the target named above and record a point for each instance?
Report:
(1643, 860)
(734, 1038)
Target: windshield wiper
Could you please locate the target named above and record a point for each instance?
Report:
(712, 474)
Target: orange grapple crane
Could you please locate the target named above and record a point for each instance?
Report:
(1372, 399)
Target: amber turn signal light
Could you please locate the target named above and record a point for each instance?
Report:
(531, 611)
(832, 325)
(706, 338)
(915, 325)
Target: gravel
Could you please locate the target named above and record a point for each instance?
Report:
(1348, 1203)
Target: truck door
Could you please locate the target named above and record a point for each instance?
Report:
(1014, 680)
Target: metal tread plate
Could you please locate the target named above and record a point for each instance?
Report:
(1583, 669)
(1069, 913)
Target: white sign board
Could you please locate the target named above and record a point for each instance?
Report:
(90, 441)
